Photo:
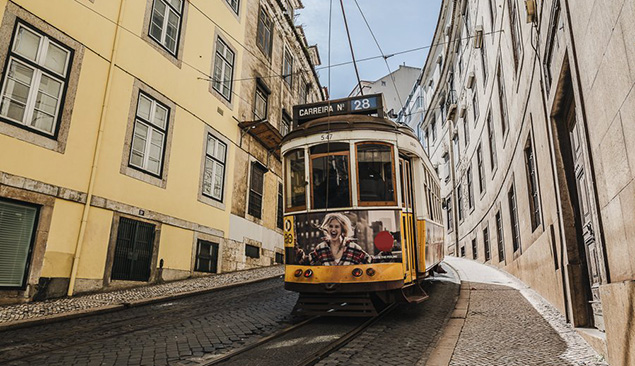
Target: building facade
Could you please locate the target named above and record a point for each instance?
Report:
(527, 114)
(394, 87)
(120, 121)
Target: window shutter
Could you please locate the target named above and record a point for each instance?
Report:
(16, 232)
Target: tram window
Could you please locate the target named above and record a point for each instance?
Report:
(295, 182)
(375, 174)
(330, 178)
(329, 148)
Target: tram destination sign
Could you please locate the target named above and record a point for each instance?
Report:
(366, 104)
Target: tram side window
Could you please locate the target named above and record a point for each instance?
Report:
(296, 184)
(375, 174)
(330, 176)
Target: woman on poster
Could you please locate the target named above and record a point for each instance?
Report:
(337, 248)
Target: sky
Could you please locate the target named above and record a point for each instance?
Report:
(398, 25)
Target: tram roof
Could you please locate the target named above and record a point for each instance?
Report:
(347, 123)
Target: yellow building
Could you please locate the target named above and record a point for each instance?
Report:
(119, 131)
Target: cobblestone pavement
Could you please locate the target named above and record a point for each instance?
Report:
(159, 334)
(407, 334)
(10, 313)
(507, 323)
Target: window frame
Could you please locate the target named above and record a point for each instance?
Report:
(287, 67)
(225, 62)
(394, 181)
(500, 236)
(38, 71)
(197, 255)
(280, 208)
(267, 41)
(347, 153)
(286, 181)
(260, 89)
(256, 165)
(257, 250)
(165, 132)
(214, 161)
(513, 214)
(533, 189)
(481, 169)
(235, 8)
(486, 243)
(180, 14)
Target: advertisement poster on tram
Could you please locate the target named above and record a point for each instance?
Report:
(347, 238)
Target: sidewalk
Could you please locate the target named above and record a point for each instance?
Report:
(498, 320)
(39, 312)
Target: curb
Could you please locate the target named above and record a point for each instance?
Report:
(55, 318)
(442, 352)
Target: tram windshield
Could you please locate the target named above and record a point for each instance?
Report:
(330, 176)
(375, 174)
(296, 184)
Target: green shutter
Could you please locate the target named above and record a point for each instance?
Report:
(16, 231)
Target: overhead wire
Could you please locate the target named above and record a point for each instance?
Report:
(350, 46)
(392, 77)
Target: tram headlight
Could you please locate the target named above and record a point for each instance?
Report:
(370, 272)
(308, 273)
(357, 272)
(298, 273)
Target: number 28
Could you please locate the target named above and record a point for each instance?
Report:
(361, 104)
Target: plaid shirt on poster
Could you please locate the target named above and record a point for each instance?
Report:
(322, 255)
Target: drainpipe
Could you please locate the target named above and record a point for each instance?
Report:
(93, 172)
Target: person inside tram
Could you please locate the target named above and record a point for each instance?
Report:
(337, 248)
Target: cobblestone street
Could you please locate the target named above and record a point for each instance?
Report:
(157, 334)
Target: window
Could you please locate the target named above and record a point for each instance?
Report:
(17, 231)
(223, 69)
(165, 23)
(304, 91)
(206, 256)
(484, 63)
(256, 188)
(252, 251)
(287, 69)
(515, 31)
(279, 218)
(425, 141)
(279, 258)
(486, 243)
(513, 217)
(456, 149)
(481, 170)
(265, 32)
(499, 237)
(450, 213)
(553, 44)
(295, 180)
(491, 137)
(475, 104)
(470, 189)
(261, 101)
(459, 200)
(474, 249)
(466, 132)
(502, 99)
(330, 175)
(375, 182)
(148, 141)
(532, 185)
(462, 251)
(285, 123)
(214, 173)
(34, 81)
(234, 4)
(433, 128)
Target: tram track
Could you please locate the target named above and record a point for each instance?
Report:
(251, 354)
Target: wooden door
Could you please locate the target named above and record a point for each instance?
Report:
(587, 223)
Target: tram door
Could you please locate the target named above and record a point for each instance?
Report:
(407, 220)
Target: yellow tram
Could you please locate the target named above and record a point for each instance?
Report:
(362, 224)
